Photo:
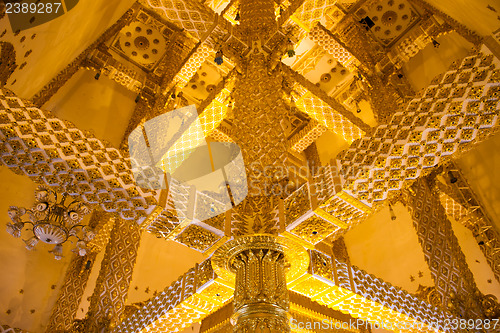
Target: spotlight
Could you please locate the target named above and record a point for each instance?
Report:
(367, 23)
(290, 51)
(219, 58)
(358, 110)
(453, 179)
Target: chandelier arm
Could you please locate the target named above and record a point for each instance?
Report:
(76, 225)
(79, 239)
(74, 235)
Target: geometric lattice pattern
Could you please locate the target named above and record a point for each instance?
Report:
(113, 283)
(313, 10)
(194, 17)
(328, 281)
(344, 210)
(70, 295)
(207, 121)
(7, 329)
(192, 297)
(324, 39)
(337, 285)
(325, 115)
(307, 136)
(53, 151)
(191, 66)
(442, 252)
(460, 107)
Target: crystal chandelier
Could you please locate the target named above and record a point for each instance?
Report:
(54, 220)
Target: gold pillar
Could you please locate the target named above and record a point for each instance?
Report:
(71, 293)
(259, 124)
(261, 298)
(453, 279)
(108, 301)
(259, 265)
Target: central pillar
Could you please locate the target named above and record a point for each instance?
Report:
(259, 266)
(261, 300)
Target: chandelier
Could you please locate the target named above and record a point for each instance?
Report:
(54, 219)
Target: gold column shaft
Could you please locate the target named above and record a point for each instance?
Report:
(261, 299)
(259, 266)
(71, 293)
(257, 18)
(108, 300)
(450, 272)
(259, 124)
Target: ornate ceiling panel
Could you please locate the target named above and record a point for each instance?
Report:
(392, 18)
(192, 16)
(143, 41)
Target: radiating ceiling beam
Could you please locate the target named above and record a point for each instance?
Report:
(325, 109)
(459, 109)
(329, 281)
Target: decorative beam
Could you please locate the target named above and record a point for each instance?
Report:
(334, 47)
(194, 295)
(325, 109)
(457, 110)
(310, 12)
(290, 10)
(53, 151)
(338, 285)
(307, 317)
(460, 108)
(71, 293)
(192, 16)
(329, 281)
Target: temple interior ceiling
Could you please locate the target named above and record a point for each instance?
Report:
(107, 67)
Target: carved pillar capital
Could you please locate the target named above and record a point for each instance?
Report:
(261, 299)
(260, 266)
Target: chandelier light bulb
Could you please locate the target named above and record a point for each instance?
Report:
(57, 252)
(54, 219)
(31, 243)
(15, 229)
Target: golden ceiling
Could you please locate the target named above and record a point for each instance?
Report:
(366, 128)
